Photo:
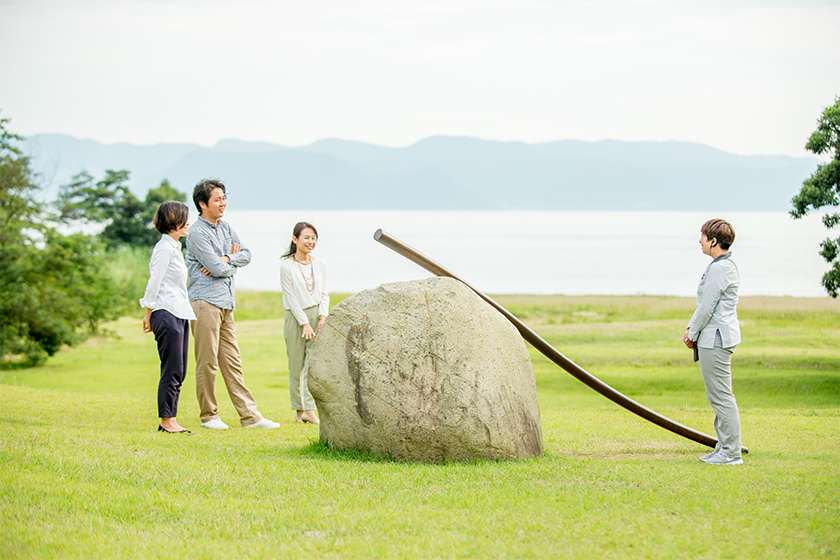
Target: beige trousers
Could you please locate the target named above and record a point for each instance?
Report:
(216, 348)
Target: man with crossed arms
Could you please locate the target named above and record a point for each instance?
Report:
(214, 253)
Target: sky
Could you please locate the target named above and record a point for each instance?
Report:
(747, 77)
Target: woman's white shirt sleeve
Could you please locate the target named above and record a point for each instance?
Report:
(296, 297)
(167, 286)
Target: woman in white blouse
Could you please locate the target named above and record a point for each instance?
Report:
(303, 278)
(168, 310)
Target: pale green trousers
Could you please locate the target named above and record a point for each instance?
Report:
(297, 349)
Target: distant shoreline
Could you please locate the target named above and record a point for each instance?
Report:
(536, 309)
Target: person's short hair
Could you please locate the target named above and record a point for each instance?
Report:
(171, 215)
(203, 189)
(721, 230)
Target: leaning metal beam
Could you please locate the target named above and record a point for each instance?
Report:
(549, 351)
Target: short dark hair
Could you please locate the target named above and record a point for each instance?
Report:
(721, 230)
(203, 190)
(171, 215)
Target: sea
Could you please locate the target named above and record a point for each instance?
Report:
(551, 252)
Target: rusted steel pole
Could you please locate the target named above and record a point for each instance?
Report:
(549, 351)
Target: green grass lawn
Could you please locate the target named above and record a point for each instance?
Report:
(84, 474)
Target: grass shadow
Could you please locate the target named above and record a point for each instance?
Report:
(317, 449)
(22, 422)
(322, 450)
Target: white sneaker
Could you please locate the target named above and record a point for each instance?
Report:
(721, 459)
(265, 423)
(215, 424)
(709, 456)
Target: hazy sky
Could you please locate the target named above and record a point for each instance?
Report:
(747, 77)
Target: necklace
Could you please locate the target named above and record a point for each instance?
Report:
(308, 282)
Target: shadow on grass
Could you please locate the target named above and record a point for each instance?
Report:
(317, 449)
(825, 385)
(22, 422)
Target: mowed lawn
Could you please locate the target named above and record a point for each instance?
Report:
(83, 474)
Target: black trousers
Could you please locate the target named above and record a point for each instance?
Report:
(173, 341)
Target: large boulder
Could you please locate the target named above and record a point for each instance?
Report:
(425, 371)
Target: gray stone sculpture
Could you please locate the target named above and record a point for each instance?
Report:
(425, 371)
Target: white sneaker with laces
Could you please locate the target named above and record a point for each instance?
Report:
(215, 424)
(265, 423)
(721, 459)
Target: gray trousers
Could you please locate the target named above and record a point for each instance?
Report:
(297, 349)
(716, 367)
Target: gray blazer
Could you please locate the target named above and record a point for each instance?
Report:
(717, 299)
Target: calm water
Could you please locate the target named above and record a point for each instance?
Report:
(573, 253)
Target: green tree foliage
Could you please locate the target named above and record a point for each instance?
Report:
(108, 201)
(53, 288)
(822, 189)
(161, 194)
(154, 198)
(128, 220)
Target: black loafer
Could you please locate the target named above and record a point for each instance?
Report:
(162, 429)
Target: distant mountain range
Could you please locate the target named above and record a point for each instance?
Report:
(445, 173)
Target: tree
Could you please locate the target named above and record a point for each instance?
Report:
(154, 198)
(822, 189)
(53, 288)
(160, 194)
(128, 221)
(109, 201)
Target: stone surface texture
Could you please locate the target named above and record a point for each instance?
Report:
(425, 371)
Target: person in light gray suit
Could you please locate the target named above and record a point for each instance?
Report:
(714, 331)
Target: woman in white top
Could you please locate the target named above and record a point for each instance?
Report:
(303, 278)
(168, 310)
(714, 332)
